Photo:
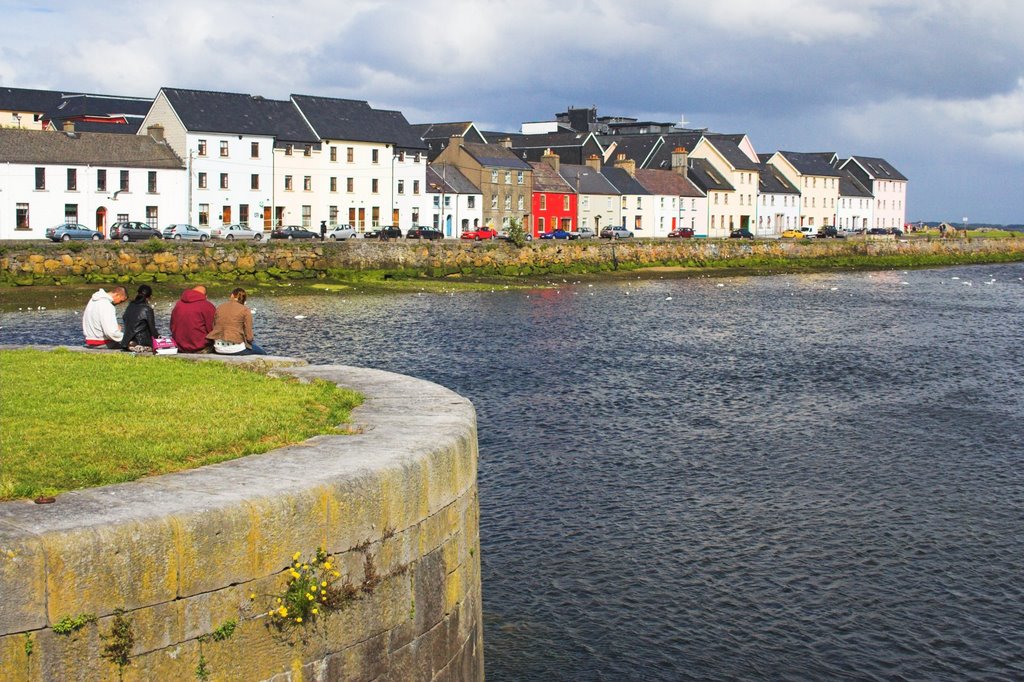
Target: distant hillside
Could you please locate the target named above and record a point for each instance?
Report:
(973, 226)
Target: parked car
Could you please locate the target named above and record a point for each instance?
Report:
(385, 233)
(792, 233)
(342, 233)
(133, 232)
(830, 231)
(479, 234)
(507, 237)
(808, 232)
(742, 233)
(183, 231)
(293, 232)
(236, 231)
(558, 234)
(585, 233)
(615, 233)
(681, 233)
(420, 232)
(69, 231)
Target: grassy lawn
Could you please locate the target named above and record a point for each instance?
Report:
(73, 420)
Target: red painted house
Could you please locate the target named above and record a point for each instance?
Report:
(554, 200)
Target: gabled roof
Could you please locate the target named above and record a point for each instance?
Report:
(26, 99)
(771, 181)
(442, 131)
(450, 178)
(623, 181)
(545, 179)
(93, 149)
(642, 148)
(586, 179)
(239, 114)
(495, 155)
(812, 163)
(728, 146)
(876, 168)
(850, 186)
(100, 113)
(550, 140)
(704, 175)
(350, 119)
(668, 183)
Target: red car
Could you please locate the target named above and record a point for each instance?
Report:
(482, 233)
(681, 233)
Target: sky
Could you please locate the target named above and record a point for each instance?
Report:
(936, 87)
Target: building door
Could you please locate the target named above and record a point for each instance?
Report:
(362, 218)
(268, 218)
(225, 215)
(101, 220)
(394, 216)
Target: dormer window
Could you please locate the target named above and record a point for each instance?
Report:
(287, 150)
(307, 150)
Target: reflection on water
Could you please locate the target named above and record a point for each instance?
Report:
(799, 477)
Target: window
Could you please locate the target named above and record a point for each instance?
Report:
(494, 202)
(287, 183)
(72, 179)
(254, 181)
(375, 215)
(638, 205)
(122, 218)
(437, 201)
(586, 202)
(151, 216)
(508, 177)
(401, 156)
(401, 186)
(287, 150)
(307, 216)
(470, 202)
(374, 156)
(508, 202)
(334, 153)
(151, 182)
(332, 215)
(21, 217)
(40, 178)
(540, 225)
(494, 176)
(448, 201)
(583, 222)
(374, 185)
(202, 181)
(254, 150)
(350, 154)
(543, 202)
(223, 147)
(334, 184)
(101, 180)
(565, 202)
(415, 186)
(350, 185)
(202, 147)
(519, 202)
(307, 150)
(307, 183)
(124, 181)
(223, 180)
(243, 214)
(519, 177)
(70, 213)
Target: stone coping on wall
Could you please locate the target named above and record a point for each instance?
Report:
(406, 474)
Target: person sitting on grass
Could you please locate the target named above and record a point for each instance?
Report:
(232, 327)
(99, 321)
(192, 320)
(139, 323)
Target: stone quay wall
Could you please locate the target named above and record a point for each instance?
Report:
(394, 503)
(42, 263)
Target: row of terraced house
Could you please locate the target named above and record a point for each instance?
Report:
(211, 158)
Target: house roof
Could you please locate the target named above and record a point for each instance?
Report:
(81, 148)
(771, 181)
(850, 186)
(666, 182)
(588, 180)
(812, 163)
(639, 147)
(549, 140)
(495, 155)
(450, 178)
(728, 146)
(876, 168)
(350, 119)
(107, 113)
(623, 181)
(704, 175)
(26, 99)
(546, 179)
(227, 112)
(441, 131)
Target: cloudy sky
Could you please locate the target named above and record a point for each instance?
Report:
(934, 86)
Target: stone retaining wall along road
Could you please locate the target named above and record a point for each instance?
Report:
(185, 555)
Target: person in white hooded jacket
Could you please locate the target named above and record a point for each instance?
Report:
(99, 321)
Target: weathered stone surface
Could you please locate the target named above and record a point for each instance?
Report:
(23, 577)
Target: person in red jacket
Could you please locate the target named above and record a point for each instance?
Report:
(192, 320)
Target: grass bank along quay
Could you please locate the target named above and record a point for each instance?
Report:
(41, 263)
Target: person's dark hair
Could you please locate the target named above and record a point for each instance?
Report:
(239, 295)
(145, 291)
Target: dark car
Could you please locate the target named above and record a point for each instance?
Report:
(293, 232)
(830, 231)
(133, 232)
(420, 232)
(681, 233)
(742, 233)
(69, 231)
(558, 234)
(385, 233)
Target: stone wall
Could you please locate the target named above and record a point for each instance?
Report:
(157, 261)
(395, 503)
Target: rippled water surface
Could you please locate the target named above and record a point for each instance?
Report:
(791, 477)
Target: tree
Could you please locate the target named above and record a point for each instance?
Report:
(516, 233)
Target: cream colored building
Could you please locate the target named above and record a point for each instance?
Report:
(814, 175)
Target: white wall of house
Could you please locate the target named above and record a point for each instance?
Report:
(890, 209)
(693, 213)
(819, 194)
(462, 213)
(222, 181)
(638, 214)
(412, 201)
(665, 214)
(732, 206)
(87, 203)
(777, 212)
(855, 213)
(721, 217)
(597, 211)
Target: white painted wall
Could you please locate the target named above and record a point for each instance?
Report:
(777, 213)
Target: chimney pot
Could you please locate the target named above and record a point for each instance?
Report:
(68, 126)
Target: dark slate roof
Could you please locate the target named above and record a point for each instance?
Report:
(704, 175)
(588, 180)
(812, 163)
(442, 131)
(549, 140)
(130, 127)
(495, 155)
(227, 112)
(667, 183)
(729, 148)
(878, 169)
(850, 186)
(623, 181)
(99, 105)
(451, 178)
(545, 179)
(771, 181)
(356, 120)
(25, 99)
(662, 156)
(79, 149)
(638, 147)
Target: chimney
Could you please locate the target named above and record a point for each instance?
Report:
(552, 159)
(156, 131)
(594, 162)
(628, 165)
(506, 142)
(69, 126)
(679, 157)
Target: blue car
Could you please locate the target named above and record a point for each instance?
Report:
(558, 234)
(69, 231)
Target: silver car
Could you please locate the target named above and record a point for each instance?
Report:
(615, 233)
(342, 233)
(69, 231)
(235, 231)
(183, 231)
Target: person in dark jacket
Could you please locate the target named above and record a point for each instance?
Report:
(192, 320)
(139, 322)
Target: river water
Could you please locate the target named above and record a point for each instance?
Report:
(787, 477)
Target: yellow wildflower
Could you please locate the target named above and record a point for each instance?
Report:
(323, 584)
(309, 596)
(336, 574)
(283, 611)
(316, 611)
(294, 573)
(252, 595)
(298, 619)
(327, 565)
(295, 557)
(278, 600)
